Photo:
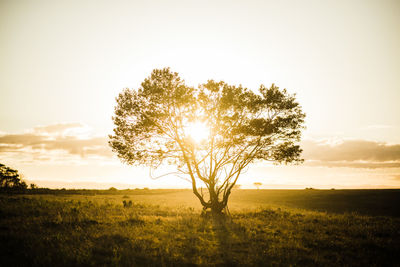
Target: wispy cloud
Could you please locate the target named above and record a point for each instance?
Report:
(64, 139)
(351, 153)
(59, 128)
(396, 177)
(75, 142)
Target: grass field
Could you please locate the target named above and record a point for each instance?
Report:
(164, 228)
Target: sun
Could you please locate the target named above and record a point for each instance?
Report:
(198, 131)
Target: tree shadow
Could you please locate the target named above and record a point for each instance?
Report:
(231, 238)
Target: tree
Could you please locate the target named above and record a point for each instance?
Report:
(257, 184)
(33, 186)
(210, 133)
(10, 178)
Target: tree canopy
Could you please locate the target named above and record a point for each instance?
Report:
(10, 178)
(257, 184)
(160, 122)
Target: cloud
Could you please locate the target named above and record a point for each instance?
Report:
(69, 138)
(58, 128)
(21, 139)
(351, 153)
(8, 147)
(75, 142)
(396, 177)
(94, 145)
(367, 165)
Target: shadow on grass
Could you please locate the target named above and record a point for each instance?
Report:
(231, 240)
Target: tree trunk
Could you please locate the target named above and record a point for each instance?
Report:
(215, 205)
(216, 208)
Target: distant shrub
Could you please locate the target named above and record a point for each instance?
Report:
(112, 189)
(127, 204)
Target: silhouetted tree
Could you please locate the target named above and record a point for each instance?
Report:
(10, 179)
(33, 186)
(257, 184)
(152, 125)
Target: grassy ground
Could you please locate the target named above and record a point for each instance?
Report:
(164, 228)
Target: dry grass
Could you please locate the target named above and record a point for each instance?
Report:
(79, 230)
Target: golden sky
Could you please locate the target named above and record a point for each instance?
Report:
(62, 63)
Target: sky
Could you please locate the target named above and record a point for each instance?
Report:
(62, 63)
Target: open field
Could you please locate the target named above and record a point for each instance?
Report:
(164, 228)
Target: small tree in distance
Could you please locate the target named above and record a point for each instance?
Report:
(257, 184)
(210, 133)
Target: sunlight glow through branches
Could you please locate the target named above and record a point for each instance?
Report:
(198, 131)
